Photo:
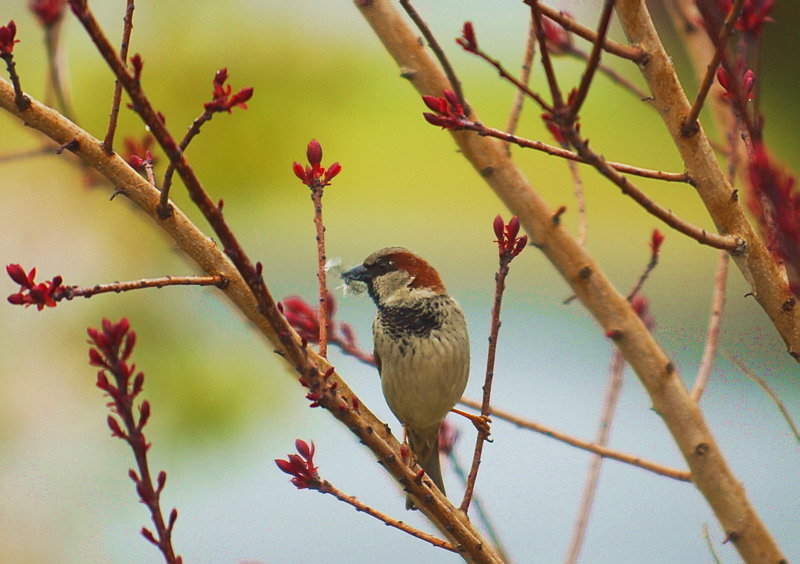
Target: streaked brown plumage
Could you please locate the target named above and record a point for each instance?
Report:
(421, 346)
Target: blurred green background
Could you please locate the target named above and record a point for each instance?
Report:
(224, 407)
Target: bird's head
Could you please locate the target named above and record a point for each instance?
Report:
(395, 276)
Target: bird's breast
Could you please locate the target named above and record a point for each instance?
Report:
(424, 352)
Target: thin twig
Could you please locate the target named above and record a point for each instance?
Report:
(651, 265)
(148, 168)
(752, 123)
(570, 155)
(580, 201)
(718, 241)
(250, 273)
(547, 63)
(524, 77)
(20, 99)
(127, 27)
(591, 65)
(690, 126)
(519, 83)
(593, 472)
(70, 292)
(771, 393)
(437, 51)
(613, 75)
(352, 349)
(327, 488)
(193, 131)
(51, 42)
(483, 434)
(675, 474)
(566, 21)
(710, 544)
(714, 326)
(491, 530)
(322, 279)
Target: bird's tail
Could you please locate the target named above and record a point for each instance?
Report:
(425, 446)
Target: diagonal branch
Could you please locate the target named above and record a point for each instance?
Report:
(437, 50)
(605, 452)
(482, 129)
(658, 374)
(635, 54)
(766, 278)
(714, 327)
(591, 64)
(690, 123)
(336, 396)
(725, 242)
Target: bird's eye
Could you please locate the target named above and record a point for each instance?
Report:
(383, 265)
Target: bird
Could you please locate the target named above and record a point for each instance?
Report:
(421, 347)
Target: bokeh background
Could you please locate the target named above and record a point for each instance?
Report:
(224, 407)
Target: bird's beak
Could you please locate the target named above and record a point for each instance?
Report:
(356, 274)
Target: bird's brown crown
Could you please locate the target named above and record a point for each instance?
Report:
(399, 258)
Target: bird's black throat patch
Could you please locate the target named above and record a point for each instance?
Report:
(417, 320)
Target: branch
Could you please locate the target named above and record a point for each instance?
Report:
(612, 75)
(675, 474)
(113, 346)
(127, 27)
(437, 50)
(690, 126)
(766, 278)
(658, 374)
(70, 292)
(519, 84)
(772, 395)
(714, 327)
(593, 473)
(591, 64)
(55, 82)
(566, 21)
(327, 488)
(509, 246)
(337, 396)
(552, 150)
(726, 242)
(524, 77)
(725, 494)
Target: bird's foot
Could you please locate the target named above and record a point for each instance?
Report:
(483, 423)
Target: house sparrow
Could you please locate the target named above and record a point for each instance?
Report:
(421, 347)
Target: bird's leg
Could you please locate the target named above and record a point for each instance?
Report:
(482, 422)
(405, 450)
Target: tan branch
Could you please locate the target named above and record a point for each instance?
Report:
(337, 395)
(766, 278)
(714, 327)
(568, 22)
(603, 451)
(658, 374)
(327, 488)
(772, 395)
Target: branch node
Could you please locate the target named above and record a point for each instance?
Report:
(72, 145)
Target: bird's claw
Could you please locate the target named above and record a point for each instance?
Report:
(483, 423)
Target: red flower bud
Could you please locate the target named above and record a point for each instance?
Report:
(314, 152)
(7, 38)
